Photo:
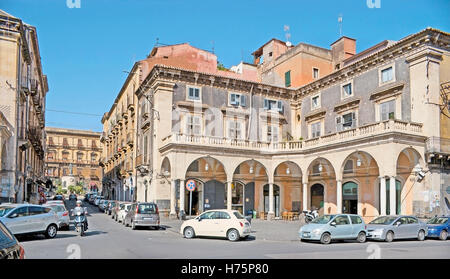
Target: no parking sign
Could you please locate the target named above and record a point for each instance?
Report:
(190, 185)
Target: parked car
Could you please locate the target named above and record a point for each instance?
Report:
(109, 207)
(72, 197)
(230, 224)
(97, 200)
(335, 227)
(63, 215)
(115, 211)
(439, 227)
(92, 198)
(9, 245)
(388, 228)
(102, 205)
(142, 214)
(58, 197)
(123, 211)
(29, 219)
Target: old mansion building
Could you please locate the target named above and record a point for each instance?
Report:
(302, 127)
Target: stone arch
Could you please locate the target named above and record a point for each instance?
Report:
(409, 161)
(288, 176)
(363, 169)
(321, 170)
(166, 169)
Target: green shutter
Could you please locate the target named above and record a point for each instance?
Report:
(287, 78)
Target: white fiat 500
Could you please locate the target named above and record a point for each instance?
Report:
(217, 223)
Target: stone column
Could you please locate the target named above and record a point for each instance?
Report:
(172, 214)
(392, 196)
(181, 196)
(339, 196)
(305, 196)
(229, 195)
(382, 195)
(271, 213)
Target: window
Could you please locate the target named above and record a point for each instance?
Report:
(315, 73)
(348, 167)
(222, 215)
(79, 156)
(273, 105)
(194, 93)
(34, 210)
(346, 121)
(347, 90)
(315, 102)
(287, 78)
(387, 75)
(356, 220)
(412, 220)
(238, 99)
(21, 212)
(341, 220)
(387, 110)
(234, 130)
(272, 133)
(315, 130)
(193, 126)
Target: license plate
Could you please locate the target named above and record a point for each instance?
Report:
(148, 218)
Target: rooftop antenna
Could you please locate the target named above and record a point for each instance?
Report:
(287, 35)
(157, 42)
(212, 42)
(340, 21)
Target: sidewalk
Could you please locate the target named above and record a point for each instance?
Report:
(275, 230)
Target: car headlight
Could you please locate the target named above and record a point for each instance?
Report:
(316, 231)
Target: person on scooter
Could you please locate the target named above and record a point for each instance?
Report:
(79, 208)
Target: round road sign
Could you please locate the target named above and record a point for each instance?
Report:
(190, 185)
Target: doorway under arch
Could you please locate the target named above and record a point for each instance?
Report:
(350, 198)
(317, 196)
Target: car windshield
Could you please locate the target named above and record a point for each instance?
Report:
(323, 219)
(147, 208)
(384, 220)
(4, 210)
(438, 221)
(238, 215)
(5, 236)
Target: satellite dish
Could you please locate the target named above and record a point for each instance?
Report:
(288, 44)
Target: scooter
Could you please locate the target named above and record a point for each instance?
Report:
(310, 215)
(80, 218)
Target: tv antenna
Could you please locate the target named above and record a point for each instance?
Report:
(340, 21)
(287, 35)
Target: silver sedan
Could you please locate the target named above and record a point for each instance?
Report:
(388, 228)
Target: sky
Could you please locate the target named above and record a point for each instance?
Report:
(86, 50)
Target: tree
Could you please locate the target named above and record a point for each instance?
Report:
(221, 67)
(71, 188)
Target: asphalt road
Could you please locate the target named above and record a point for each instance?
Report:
(107, 239)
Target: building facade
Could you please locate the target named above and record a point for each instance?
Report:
(73, 157)
(23, 89)
(369, 137)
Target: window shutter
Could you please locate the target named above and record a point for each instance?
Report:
(275, 134)
(280, 106)
(338, 124)
(231, 99)
(287, 78)
(266, 104)
(353, 119)
(243, 100)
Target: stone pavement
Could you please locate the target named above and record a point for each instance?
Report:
(274, 230)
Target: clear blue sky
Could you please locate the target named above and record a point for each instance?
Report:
(85, 51)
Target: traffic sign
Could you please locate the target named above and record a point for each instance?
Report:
(190, 185)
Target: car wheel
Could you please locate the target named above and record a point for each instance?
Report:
(325, 238)
(51, 231)
(421, 235)
(233, 235)
(443, 235)
(189, 232)
(362, 237)
(389, 236)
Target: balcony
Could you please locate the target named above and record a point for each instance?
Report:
(437, 145)
(359, 133)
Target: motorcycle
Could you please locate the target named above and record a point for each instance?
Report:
(310, 215)
(80, 218)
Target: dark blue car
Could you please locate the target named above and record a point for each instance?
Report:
(439, 227)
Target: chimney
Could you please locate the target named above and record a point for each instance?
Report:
(342, 49)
